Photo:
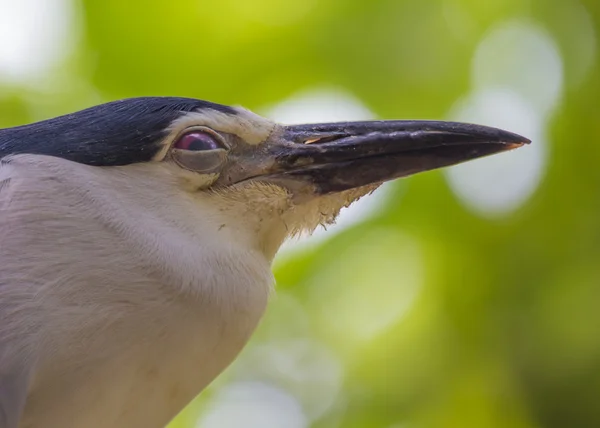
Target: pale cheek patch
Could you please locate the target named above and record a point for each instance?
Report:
(254, 128)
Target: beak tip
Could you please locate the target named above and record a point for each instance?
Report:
(510, 140)
(516, 145)
(518, 141)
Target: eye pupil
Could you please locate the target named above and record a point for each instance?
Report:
(197, 141)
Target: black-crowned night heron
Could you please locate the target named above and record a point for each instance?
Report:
(136, 240)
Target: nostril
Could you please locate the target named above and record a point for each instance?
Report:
(325, 139)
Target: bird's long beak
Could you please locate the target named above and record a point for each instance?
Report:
(333, 157)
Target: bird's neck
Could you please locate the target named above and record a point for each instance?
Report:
(253, 215)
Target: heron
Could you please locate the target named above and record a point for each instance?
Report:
(137, 237)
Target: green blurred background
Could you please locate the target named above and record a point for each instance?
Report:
(459, 298)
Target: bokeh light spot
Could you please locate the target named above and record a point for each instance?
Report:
(253, 405)
(35, 35)
(523, 57)
(319, 105)
(370, 285)
(499, 184)
(304, 367)
(517, 76)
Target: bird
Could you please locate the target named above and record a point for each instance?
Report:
(137, 237)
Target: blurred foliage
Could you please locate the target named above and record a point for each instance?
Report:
(426, 314)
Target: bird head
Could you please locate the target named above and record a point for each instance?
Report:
(258, 177)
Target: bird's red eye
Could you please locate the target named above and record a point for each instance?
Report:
(197, 141)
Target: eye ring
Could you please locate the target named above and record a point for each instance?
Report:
(199, 139)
